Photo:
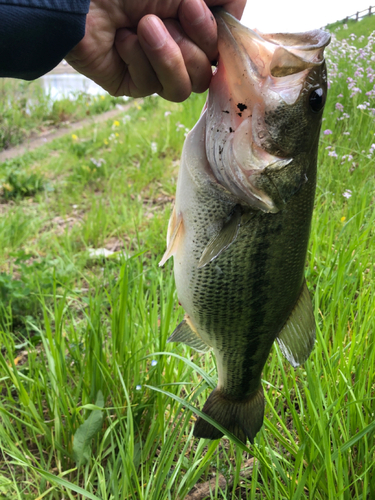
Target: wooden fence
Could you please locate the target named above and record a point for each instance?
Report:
(359, 15)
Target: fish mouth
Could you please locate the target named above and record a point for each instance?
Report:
(255, 56)
(256, 74)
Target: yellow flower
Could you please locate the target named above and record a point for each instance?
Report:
(116, 123)
(106, 142)
(102, 97)
(343, 219)
(116, 134)
(75, 137)
(17, 360)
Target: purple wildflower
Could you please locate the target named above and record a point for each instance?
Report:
(355, 91)
(347, 157)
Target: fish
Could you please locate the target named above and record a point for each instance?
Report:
(240, 227)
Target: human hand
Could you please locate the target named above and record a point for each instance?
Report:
(137, 48)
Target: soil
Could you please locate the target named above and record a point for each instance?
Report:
(50, 135)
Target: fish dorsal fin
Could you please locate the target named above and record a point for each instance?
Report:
(297, 337)
(187, 334)
(174, 233)
(223, 239)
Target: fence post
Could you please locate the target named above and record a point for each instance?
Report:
(369, 11)
(357, 16)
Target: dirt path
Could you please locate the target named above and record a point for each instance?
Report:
(50, 135)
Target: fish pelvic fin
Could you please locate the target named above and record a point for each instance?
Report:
(175, 230)
(187, 334)
(297, 338)
(242, 418)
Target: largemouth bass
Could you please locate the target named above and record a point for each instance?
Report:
(240, 226)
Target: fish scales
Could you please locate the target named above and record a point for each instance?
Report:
(240, 227)
(238, 316)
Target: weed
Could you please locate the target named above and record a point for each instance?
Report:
(25, 109)
(100, 326)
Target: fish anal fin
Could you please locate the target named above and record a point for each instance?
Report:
(175, 230)
(242, 418)
(297, 338)
(223, 239)
(187, 334)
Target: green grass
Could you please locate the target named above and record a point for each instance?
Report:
(362, 27)
(95, 404)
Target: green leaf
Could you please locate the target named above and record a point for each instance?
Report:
(369, 428)
(85, 432)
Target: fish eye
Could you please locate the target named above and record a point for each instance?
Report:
(317, 99)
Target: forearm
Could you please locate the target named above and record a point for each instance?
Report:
(129, 47)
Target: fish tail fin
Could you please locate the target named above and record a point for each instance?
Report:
(242, 418)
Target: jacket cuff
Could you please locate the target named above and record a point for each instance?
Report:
(33, 41)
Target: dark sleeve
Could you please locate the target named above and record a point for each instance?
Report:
(35, 35)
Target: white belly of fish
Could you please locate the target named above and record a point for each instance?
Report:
(200, 214)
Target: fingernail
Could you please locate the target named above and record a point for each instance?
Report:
(194, 12)
(154, 32)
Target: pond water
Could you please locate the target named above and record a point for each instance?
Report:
(66, 85)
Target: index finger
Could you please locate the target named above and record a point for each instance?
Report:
(200, 25)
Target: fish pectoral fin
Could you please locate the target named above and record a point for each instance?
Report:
(175, 228)
(187, 334)
(297, 338)
(223, 239)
